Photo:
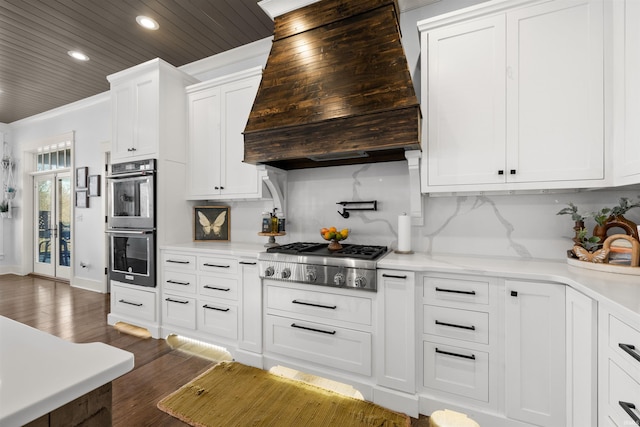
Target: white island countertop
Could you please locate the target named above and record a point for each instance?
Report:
(40, 372)
(620, 289)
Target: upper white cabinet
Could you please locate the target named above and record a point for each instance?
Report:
(218, 113)
(626, 69)
(513, 95)
(148, 111)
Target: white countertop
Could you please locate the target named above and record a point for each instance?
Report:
(620, 289)
(40, 372)
(221, 248)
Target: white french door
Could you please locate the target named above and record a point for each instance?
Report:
(52, 225)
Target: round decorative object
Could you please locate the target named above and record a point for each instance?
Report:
(334, 236)
(334, 245)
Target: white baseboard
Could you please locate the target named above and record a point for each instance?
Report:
(89, 285)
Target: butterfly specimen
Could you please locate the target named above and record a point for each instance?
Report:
(598, 256)
(215, 227)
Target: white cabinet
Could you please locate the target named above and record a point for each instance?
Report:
(535, 383)
(458, 327)
(135, 305)
(626, 95)
(396, 329)
(514, 96)
(201, 296)
(250, 328)
(218, 112)
(147, 111)
(619, 375)
(329, 327)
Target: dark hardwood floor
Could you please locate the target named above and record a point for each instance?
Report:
(81, 316)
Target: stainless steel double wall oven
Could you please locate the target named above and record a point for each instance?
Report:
(131, 222)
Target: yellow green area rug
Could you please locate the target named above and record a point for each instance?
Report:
(232, 394)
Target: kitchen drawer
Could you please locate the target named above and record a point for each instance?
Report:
(320, 305)
(176, 261)
(134, 303)
(218, 265)
(622, 388)
(456, 370)
(458, 289)
(455, 323)
(625, 341)
(218, 286)
(179, 311)
(218, 318)
(179, 281)
(339, 348)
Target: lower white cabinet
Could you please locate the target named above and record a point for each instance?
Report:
(135, 305)
(329, 327)
(535, 385)
(619, 376)
(214, 298)
(507, 352)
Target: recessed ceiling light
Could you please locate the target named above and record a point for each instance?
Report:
(146, 22)
(78, 55)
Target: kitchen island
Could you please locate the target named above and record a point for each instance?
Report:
(41, 373)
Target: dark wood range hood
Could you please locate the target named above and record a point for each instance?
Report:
(336, 89)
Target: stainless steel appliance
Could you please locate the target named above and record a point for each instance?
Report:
(132, 256)
(131, 223)
(353, 266)
(132, 195)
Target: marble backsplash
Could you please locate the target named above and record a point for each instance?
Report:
(522, 226)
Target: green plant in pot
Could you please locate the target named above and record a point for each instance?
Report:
(577, 217)
(616, 219)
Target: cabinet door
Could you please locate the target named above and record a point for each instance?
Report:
(204, 143)
(135, 118)
(396, 330)
(465, 98)
(555, 105)
(237, 178)
(626, 90)
(250, 329)
(535, 352)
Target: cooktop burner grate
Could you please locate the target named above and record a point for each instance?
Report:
(367, 252)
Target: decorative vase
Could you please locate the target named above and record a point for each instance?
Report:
(334, 245)
(616, 221)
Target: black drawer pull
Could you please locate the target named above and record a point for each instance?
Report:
(176, 300)
(630, 348)
(175, 282)
(177, 261)
(137, 304)
(247, 263)
(628, 408)
(455, 291)
(217, 289)
(216, 265)
(453, 325)
(464, 356)
(215, 308)
(514, 293)
(393, 276)
(331, 307)
(293, 325)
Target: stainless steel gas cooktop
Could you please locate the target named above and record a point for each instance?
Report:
(353, 266)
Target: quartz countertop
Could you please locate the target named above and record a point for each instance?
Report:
(623, 290)
(221, 248)
(40, 372)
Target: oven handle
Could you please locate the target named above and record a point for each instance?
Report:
(113, 231)
(130, 174)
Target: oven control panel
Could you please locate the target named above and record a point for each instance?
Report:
(322, 275)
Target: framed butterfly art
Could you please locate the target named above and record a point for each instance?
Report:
(211, 223)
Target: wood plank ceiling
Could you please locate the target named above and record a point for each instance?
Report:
(37, 75)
